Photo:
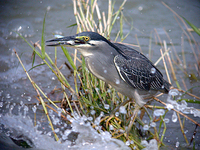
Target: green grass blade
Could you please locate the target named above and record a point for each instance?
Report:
(69, 58)
(75, 24)
(26, 41)
(43, 39)
(193, 26)
(33, 58)
(121, 27)
(35, 51)
(36, 66)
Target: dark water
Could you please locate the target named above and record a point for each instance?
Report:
(143, 17)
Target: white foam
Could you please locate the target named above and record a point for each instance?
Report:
(88, 137)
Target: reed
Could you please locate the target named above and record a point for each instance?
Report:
(91, 94)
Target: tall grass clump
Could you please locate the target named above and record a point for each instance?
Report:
(92, 97)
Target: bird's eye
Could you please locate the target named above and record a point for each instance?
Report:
(86, 38)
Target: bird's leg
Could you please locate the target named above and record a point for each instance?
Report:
(133, 117)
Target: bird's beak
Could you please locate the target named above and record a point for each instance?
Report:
(69, 41)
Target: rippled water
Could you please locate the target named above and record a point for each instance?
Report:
(26, 18)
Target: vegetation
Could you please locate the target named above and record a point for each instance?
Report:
(93, 95)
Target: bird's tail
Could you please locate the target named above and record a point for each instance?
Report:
(166, 87)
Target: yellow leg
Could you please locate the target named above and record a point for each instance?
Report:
(134, 115)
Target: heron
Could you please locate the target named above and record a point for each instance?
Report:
(128, 71)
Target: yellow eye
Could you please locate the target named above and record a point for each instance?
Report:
(86, 38)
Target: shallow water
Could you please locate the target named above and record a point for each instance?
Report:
(26, 17)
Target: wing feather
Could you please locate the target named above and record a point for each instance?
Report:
(137, 70)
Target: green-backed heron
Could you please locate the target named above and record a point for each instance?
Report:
(127, 70)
